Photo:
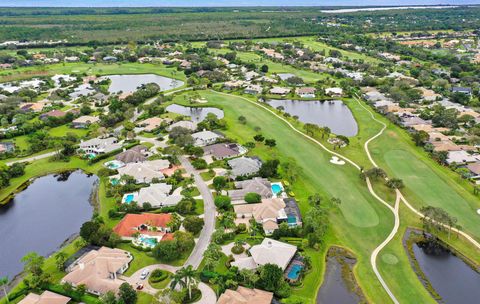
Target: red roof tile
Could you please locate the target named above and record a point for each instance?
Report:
(128, 225)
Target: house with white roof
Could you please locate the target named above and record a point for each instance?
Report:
(100, 145)
(157, 195)
(244, 166)
(268, 252)
(186, 124)
(145, 172)
(205, 138)
(462, 157)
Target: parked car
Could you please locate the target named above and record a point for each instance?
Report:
(144, 274)
(139, 286)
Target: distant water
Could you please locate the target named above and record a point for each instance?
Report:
(42, 217)
(196, 113)
(130, 83)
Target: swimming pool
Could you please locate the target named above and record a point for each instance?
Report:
(147, 241)
(114, 164)
(277, 188)
(114, 181)
(129, 198)
(294, 272)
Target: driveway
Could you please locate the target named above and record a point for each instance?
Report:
(196, 256)
(135, 278)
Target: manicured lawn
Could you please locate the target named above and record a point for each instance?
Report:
(206, 176)
(146, 298)
(427, 183)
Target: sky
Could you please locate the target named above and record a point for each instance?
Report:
(158, 3)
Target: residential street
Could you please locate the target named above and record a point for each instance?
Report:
(209, 216)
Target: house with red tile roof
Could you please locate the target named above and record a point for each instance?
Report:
(154, 225)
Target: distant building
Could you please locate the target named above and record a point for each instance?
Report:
(84, 121)
(205, 138)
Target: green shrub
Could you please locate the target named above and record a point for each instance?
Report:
(253, 198)
(158, 275)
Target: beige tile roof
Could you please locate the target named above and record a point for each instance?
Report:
(47, 297)
(245, 295)
(97, 268)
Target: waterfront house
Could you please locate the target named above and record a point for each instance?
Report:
(143, 223)
(205, 137)
(337, 92)
(100, 145)
(47, 297)
(157, 195)
(186, 124)
(279, 91)
(306, 92)
(99, 270)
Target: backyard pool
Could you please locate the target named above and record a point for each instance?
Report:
(128, 198)
(147, 241)
(277, 188)
(114, 164)
(294, 272)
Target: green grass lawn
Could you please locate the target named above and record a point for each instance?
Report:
(90, 69)
(427, 183)
(206, 176)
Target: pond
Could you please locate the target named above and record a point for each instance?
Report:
(334, 288)
(450, 276)
(43, 216)
(130, 83)
(333, 114)
(196, 113)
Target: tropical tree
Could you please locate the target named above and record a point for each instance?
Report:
(60, 259)
(186, 277)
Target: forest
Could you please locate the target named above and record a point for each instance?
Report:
(115, 25)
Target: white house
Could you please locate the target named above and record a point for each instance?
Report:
(205, 138)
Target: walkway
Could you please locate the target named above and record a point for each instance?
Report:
(32, 158)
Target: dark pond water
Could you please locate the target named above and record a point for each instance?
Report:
(451, 278)
(130, 83)
(196, 113)
(334, 289)
(42, 217)
(333, 114)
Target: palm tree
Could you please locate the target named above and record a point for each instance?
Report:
(186, 277)
(3, 283)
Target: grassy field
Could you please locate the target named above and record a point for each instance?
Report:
(427, 183)
(90, 69)
(359, 223)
